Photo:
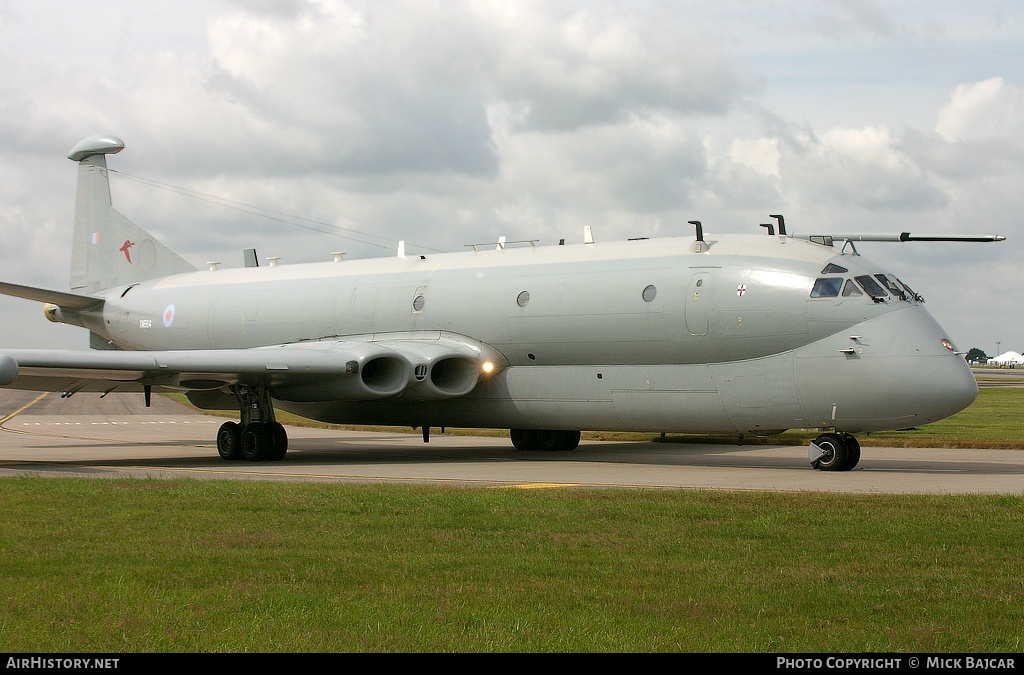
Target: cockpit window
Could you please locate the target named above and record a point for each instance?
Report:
(851, 289)
(871, 287)
(911, 292)
(893, 285)
(832, 268)
(826, 287)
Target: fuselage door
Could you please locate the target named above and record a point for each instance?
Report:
(698, 299)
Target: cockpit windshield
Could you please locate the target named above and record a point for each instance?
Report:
(910, 291)
(871, 287)
(879, 287)
(892, 284)
(826, 287)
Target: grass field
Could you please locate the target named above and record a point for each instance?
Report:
(234, 566)
(196, 566)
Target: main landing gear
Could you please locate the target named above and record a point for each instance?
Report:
(259, 436)
(834, 452)
(543, 439)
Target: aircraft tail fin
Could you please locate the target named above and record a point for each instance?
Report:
(108, 249)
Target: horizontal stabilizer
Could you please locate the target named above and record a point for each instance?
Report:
(59, 298)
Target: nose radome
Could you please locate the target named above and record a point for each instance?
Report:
(937, 379)
(943, 386)
(895, 373)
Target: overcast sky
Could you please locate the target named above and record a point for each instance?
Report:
(299, 128)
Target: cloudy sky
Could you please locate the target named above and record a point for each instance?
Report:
(302, 127)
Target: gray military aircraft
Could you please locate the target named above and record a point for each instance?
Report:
(738, 334)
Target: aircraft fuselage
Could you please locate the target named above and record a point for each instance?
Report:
(637, 335)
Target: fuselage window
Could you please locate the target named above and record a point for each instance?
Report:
(851, 289)
(649, 293)
(871, 287)
(523, 298)
(827, 287)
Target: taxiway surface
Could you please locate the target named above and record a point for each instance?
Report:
(116, 436)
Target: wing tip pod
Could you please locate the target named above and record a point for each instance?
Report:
(8, 370)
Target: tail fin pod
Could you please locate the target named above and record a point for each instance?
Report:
(108, 249)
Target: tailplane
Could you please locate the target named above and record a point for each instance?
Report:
(109, 250)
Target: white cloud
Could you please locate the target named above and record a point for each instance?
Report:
(760, 154)
(450, 122)
(859, 169)
(987, 109)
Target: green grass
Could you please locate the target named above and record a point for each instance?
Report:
(226, 566)
(193, 566)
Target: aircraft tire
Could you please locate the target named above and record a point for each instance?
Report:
(544, 439)
(570, 440)
(836, 455)
(548, 440)
(853, 447)
(524, 439)
(558, 441)
(280, 439)
(257, 442)
(229, 441)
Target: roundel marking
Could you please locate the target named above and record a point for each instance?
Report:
(169, 316)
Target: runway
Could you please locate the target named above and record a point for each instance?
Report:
(116, 437)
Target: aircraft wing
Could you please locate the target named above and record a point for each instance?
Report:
(335, 370)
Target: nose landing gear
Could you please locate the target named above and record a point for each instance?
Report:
(834, 452)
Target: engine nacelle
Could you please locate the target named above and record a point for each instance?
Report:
(438, 371)
(370, 372)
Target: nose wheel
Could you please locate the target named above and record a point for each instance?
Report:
(834, 452)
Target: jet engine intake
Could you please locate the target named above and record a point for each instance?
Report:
(379, 376)
(439, 370)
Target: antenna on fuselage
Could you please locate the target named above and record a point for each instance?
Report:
(700, 245)
(782, 224)
(771, 228)
(700, 229)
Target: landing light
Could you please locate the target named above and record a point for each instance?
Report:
(488, 367)
(948, 345)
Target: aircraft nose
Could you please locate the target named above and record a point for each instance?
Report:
(942, 386)
(937, 378)
(898, 371)
(934, 380)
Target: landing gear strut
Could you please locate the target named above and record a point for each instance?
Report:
(834, 452)
(543, 439)
(259, 436)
